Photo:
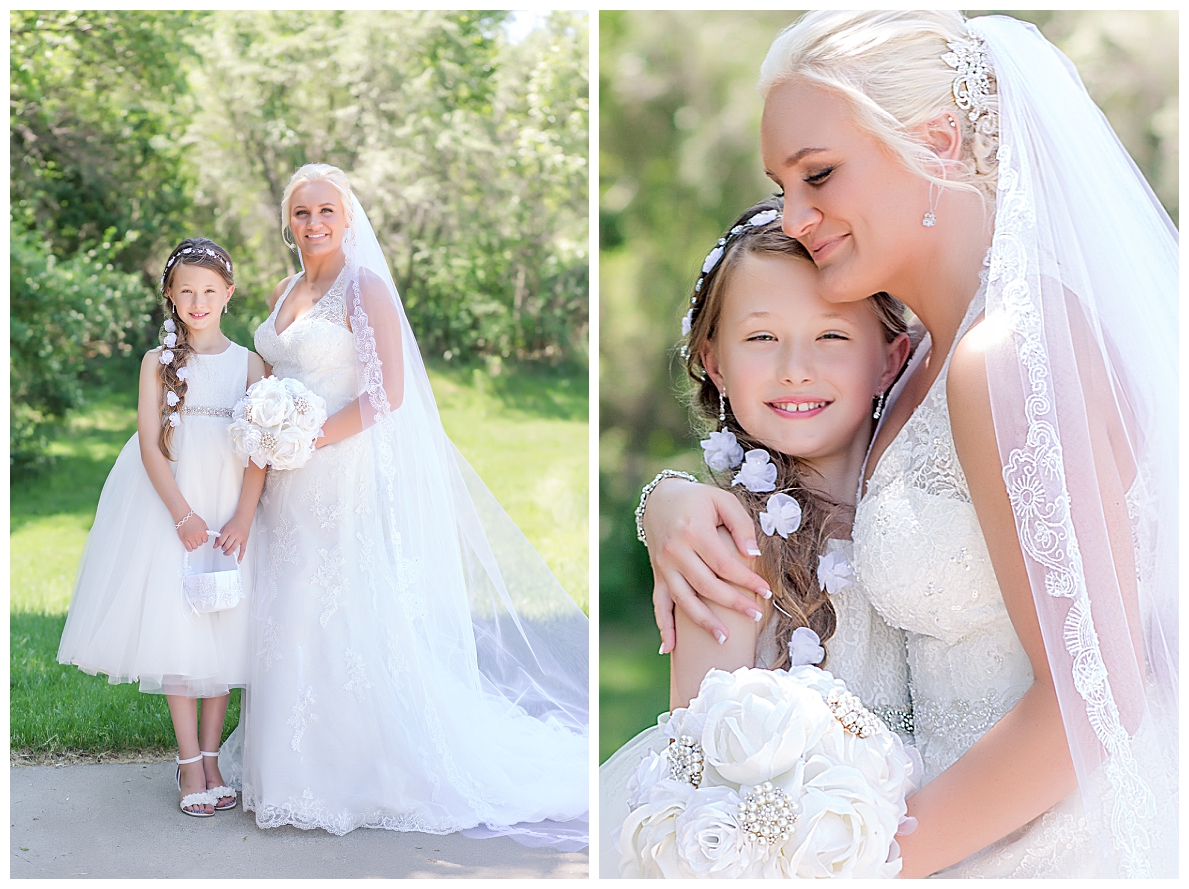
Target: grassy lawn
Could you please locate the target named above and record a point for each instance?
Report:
(524, 431)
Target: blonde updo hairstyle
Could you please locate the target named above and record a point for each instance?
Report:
(314, 173)
(789, 566)
(888, 66)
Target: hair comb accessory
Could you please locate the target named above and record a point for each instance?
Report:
(975, 82)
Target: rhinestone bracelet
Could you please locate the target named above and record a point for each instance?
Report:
(648, 489)
(185, 519)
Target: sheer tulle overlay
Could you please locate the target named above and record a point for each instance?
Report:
(394, 684)
(128, 617)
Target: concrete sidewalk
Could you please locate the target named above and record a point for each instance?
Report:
(122, 820)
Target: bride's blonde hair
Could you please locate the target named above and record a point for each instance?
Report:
(888, 66)
(314, 173)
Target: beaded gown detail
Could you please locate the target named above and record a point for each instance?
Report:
(921, 557)
(367, 707)
(128, 617)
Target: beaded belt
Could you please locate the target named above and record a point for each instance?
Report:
(898, 719)
(203, 411)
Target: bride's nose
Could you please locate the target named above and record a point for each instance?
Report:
(798, 221)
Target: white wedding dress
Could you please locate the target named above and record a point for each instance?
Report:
(921, 557)
(866, 653)
(367, 707)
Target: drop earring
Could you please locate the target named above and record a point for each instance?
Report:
(879, 403)
(930, 218)
(722, 407)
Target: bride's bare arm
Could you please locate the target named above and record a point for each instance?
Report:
(1021, 767)
(697, 652)
(690, 559)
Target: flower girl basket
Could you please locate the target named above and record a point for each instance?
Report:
(211, 580)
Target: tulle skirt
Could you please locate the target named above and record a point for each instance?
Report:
(128, 617)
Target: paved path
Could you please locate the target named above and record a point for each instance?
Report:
(122, 820)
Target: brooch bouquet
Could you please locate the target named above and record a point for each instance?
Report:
(276, 424)
(772, 774)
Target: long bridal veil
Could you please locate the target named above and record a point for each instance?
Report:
(1082, 294)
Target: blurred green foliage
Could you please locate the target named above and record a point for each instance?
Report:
(130, 130)
(678, 159)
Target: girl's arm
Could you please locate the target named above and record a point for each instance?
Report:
(234, 534)
(1021, 767)
(698, 652)
(193, 533)
(690, 558)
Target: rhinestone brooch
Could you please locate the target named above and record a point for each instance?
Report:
(268, 441)
(849, 710)
(685, 760)
(301, 404)
(767, 814)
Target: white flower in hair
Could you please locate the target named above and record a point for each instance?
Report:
(805, 648)
(183, 372)
(783, 515)
(758, 473)
(166, 356)
(171, 340)
(171, 398)
(170, 327)
(687, 323)
(763, 217)
(722, 451)
(834, 573)
(711, 260)
(175, 420)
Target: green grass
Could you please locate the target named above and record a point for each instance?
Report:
(633, 681)
(524, 431)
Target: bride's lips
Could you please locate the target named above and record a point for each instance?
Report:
(800, 408)
(318, 237)
(823, 249)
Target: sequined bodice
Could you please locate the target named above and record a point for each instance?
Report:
(921, 557)
(316, 348)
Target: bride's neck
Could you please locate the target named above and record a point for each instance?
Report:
(321, 271)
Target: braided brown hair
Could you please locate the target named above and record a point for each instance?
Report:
(192, 251)
(789, 566)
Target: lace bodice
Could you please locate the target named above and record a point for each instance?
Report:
(316, 348)
(921, 557)
(214, 383)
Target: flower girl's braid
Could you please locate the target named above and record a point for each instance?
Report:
(192, 251)
(789, 566)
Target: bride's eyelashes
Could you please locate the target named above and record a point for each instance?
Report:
(820, 176)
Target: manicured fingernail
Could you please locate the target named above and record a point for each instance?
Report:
(757, 616)
(766, 593)
(662, 649)
(753, 550)
(720, 636)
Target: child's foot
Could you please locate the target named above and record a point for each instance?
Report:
(214, 781)
(193, 780)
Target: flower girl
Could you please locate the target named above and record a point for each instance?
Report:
(795, 383)
(155, 598)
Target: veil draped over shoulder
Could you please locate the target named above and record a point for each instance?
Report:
(1082, 370)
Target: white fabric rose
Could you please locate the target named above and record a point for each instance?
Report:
(171, 398)
(647, 840)
(169, 326)
(709, 841)
(183, 372)
(758, 473)
(171, 340)
(687, 323)
(292, 450)
(270, 404)
(758, 725)
(805, 647)
(166, 357)
(652, 768)
(782, 516)
(711, 260)
(175, 420)
(722, 451)
(763, 217)
(834, 572)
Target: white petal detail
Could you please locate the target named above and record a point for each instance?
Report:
(722, 451)
(834, 573)
(783, 516)
(805, 648)
(758, 473)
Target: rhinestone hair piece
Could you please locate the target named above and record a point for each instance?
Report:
(767, 814)
(974, 83)
(685, 760)
(186, 251)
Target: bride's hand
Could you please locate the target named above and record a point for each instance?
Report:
(690, 560)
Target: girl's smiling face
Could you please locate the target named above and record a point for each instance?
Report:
(799, 372)
(199, 294)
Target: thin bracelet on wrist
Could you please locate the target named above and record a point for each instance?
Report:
(648, 489)
(185, 519)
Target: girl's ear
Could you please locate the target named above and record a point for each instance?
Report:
(897, 354)
(710, 363)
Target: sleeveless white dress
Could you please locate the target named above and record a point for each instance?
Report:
(921, 557)
(128, 616)
(866, 653)
(344, 726)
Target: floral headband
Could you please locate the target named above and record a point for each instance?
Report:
(197, 251)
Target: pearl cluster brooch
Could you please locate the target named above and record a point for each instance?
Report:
(685, 760)
(849, 710)
(301, 404)
(767, 813)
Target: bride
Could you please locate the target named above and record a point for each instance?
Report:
(417, 667)
(1017, 518)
